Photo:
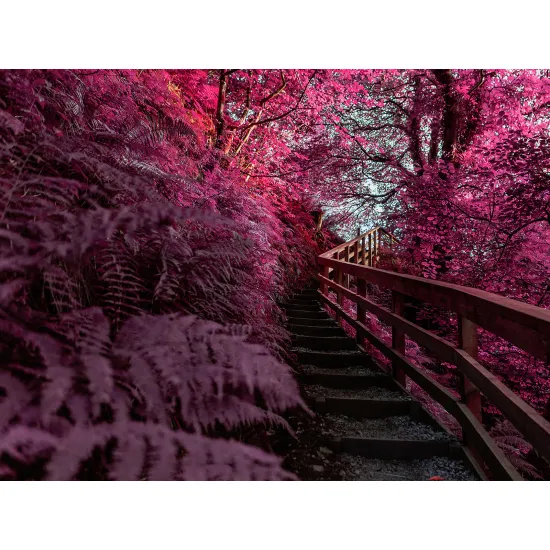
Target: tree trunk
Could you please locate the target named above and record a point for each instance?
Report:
(220, 123)
(451, 113)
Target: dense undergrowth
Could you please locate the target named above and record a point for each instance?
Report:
(140, 336)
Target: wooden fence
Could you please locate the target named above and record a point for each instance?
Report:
(525, 326)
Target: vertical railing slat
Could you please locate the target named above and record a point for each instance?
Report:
(338, 279)
(323, 286)
(467, 340)
(346, 259)
(370, 249)
(398, 336)
(361, 310)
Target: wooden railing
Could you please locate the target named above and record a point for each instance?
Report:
(364, 249)
(523, 325)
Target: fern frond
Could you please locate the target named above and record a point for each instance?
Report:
(91, 338)
(14, 397)
(162, 455)
(122, 289)
(73, 450)
(510, 440)
(111, 232)
(218, 460)
(24, 443)
(62, 288)
(203, 363)
(164, 451)
(9, 291)
(56, 390)
(129, 458)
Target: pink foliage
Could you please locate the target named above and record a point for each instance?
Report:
(139, 279)
(455, 163)
(187, 198)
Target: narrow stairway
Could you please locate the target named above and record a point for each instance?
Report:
(365, 426)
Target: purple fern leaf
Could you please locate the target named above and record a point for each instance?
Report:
(15, 399)
(93, 344)
(79, 406)
(7, 473)
(8, 291)
(24, 443)
(162, 455)
(56, 390)
(76, 447)
(129, 457)
(219, 460)
(143, 378)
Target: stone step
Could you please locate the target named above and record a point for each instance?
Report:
(396, 449)
(313, 307)
(305, 306)
(305, 297)
(309, 293)
(365, 412)
(316, 330)
(312, 322)
(304, 301)
(348, 381)
(325, 343)
(362, 408)
(304, 313)
(308, 296)
(332, 359)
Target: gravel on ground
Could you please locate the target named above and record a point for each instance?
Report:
(373, 392)
(358, 468)
(312, 369)
(392, 427)
(336, 353)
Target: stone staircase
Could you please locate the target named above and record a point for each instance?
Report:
(368, 427)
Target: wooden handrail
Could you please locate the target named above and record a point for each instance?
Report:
(361, 239)
(523, 325)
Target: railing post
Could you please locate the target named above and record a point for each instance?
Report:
(356, 255)
(379, 243)
(338, 280)
(370, 249)
(361, 310)
(398, 336)
(323, 286)
(467, 340)
(346, 259)
(364, 257)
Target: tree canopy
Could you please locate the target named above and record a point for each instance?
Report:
(190, 201)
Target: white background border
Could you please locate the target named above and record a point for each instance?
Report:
(274, 34)
(264, 516)
(290, 34)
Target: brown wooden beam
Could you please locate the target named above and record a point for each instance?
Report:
(524, 325)
(532, 425)
(480, 440)
(467, 340)
(398, 336)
